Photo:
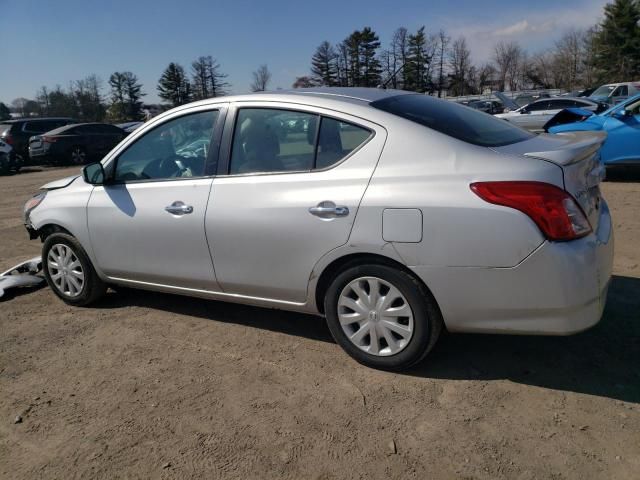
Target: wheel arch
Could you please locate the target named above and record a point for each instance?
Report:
(51, 228)
(354, 259)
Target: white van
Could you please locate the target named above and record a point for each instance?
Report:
(614, 93)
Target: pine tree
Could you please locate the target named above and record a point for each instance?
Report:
(174, 86)
(4, 112)
(133, 91)
(323, 65)
(617, 43)
(362, 66)
(126, 94)
(371, 68)
(417, 62)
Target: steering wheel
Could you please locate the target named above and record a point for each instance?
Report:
(172, 167)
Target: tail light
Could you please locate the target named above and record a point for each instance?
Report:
(8, 139)
(553, 210)
(48, 139)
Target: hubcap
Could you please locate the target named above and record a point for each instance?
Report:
(65, 270)
(375, 316)
(78, 156)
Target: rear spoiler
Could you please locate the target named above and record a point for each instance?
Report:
(579, 146)
(568, 115)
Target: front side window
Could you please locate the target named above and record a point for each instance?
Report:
(177, 148)
(621, 91)
(537, 106)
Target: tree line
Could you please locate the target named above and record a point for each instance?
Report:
(434, 63)
(84, 99)
(418, 61)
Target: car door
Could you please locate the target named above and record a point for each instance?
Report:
(287, 194)
(147, 223)
(623, 135)
(528, 117)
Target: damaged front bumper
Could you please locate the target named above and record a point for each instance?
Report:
(24, 274)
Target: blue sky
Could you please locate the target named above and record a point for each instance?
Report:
(53, 42)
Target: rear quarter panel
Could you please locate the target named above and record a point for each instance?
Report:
(423, 169)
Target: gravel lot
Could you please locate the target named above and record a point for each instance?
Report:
(148, 385)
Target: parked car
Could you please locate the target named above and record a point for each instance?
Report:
(8, 159)
(491, 107)
(129, 127)
(614, 93)
(534, 116)
(622, 124)
(394, 215)
(75, 144)
(17, 132)
(527, 98)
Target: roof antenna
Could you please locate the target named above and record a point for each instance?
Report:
(383, 86)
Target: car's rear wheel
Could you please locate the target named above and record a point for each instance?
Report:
(78, 155)
(69, 271)
(382, 316)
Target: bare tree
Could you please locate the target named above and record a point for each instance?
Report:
(508, 58)
(261, 79)
(569, 55)
(396, 56)
(460, 62)
(443, 41)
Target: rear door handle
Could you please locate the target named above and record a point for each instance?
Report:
(179, 208)
(328, 210)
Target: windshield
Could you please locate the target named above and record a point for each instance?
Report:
(623, 105)
(457, 121)
(603, 91)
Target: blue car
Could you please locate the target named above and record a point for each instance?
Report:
(622, 124)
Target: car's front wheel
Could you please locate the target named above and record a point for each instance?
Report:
(382, 316)
(69, 271)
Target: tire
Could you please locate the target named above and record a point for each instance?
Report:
(77, 282)
(399, 289)
(78, 155)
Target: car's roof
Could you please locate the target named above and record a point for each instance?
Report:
(313, 96)
(74, 125)
(580, 99)
(35, 119)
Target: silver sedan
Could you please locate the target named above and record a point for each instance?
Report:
(394, 215)
(535, 115)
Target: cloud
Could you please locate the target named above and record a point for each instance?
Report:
(534, 31)
(523, 27)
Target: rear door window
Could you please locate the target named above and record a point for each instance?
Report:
(454, 120)
(36, 127)
(273, 140)
(269, 140)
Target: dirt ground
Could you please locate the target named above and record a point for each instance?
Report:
(148, 385)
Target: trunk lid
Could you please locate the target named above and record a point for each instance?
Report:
(578, 154)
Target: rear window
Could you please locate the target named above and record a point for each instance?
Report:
(463, 123)
(5, 127)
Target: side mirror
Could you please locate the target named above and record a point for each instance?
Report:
(94, 174)
(622, 114)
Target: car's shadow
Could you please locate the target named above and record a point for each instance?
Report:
(603, 361)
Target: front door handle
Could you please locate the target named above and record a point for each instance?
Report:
(328, 210)
(179, 208)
